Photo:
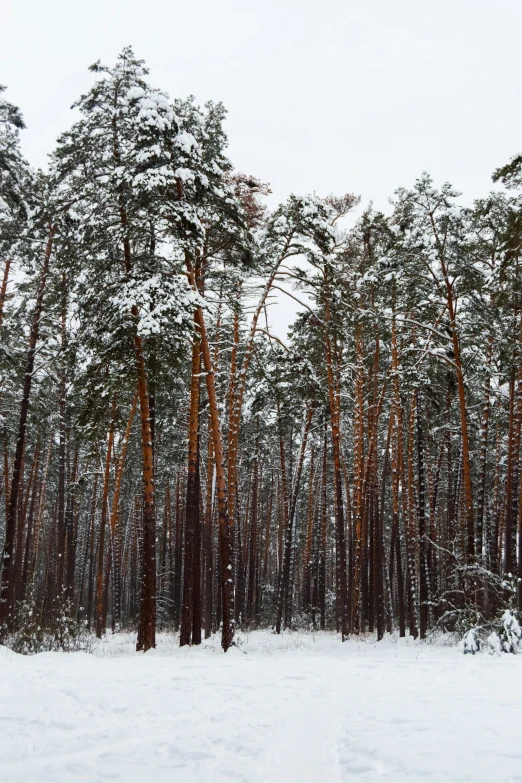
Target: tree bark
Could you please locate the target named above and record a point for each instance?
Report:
(227, 581)
(6, 585)
(192, 519)
(100, 628)
(147, 620)
(112, 553)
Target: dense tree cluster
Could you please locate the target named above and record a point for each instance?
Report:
(168, 462)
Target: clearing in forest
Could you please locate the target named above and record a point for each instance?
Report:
(296, 707)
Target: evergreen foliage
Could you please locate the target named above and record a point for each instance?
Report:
(168, 460)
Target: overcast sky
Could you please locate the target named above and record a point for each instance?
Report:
(325, 95)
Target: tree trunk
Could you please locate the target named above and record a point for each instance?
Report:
(321, 578)
(358, 470)
(100, 628)
(423, 553)
(307, 555)
(19, 550)
(285, 599)
(192, 520)
(147, 620)
(287, 532)
(112, 553)
(6, 585)
(335, 423)
(250, 606)
(27, 567)
(227, 581)
(71, 533)
(484, 450)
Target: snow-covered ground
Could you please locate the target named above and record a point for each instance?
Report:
(299, 707)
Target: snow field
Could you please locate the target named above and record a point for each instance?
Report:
(294, 708)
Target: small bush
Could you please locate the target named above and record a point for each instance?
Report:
(63, 632)
(501, 635)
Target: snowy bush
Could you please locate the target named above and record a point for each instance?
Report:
(471, 642)
(63, 632)
(493, 643)
(511, 633)
(501, 635)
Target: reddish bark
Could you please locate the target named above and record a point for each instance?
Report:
(6, 582)
(227, 581)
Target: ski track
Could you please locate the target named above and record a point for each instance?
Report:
(291, 708)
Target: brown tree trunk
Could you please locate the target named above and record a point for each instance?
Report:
(321, 577)
(89, 556)
(112, 553)
(192, 519)
(284, 599)
(178, 556)
(100, 628)
(484, 450)
(20, 533)
(423, 549)
(396, 554)
(30, 530)
(147, 620)
(71, 533)
(411, 532)
(227, 581)
(207, 548)
(267, 531)
(61, 451)
(250, 604)
(6, 479)
(232, 440)
(39, 519)
(466, 465)
(358, 465)
(6, 585)
(335, 421)
(307, 555)
(285, 560)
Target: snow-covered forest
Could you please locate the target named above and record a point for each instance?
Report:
(169, 463)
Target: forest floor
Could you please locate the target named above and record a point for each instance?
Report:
(295, 708)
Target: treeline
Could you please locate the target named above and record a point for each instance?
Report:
(168, 462)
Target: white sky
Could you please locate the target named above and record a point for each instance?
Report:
(331, 96)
